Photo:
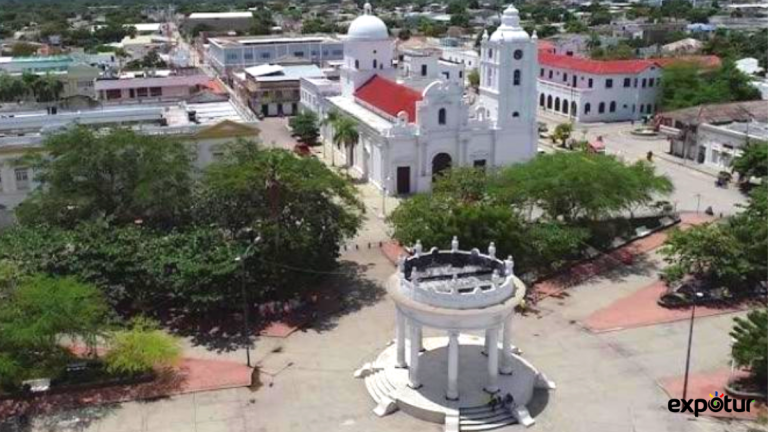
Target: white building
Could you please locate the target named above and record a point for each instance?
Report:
(467, 57)
(423, 67)
(589, 91)
(407, 136)
(720, 144)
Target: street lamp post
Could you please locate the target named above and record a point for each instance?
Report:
(384, 197)
(240, 259)
(696, 296)
(698, 202)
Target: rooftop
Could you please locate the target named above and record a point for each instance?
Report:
(219, 15)
(599, 67)
(271, 72)
(704, 61)
(721, 113)
(389, 97)
(270, 40)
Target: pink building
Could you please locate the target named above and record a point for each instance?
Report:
(158, 85)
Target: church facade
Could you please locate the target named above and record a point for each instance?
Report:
(407, 137)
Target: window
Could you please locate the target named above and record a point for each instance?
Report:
(248, 56)
(642, 109)
(587, 108)
(635, 82)
(115, 94)
(314, 53)
(155, 91)
(541, 72)
(265, 55)
(447, 75)
(441, 116)
(575, 80)
(644, 83)
(298, 53)
(589, 83)
(375, 63)
(22, 178)
(338, 52)
(627, 82)
(325, 52)
(423, 70)
(479, 163)
(132, 93)
(461, 74)
(490, 53)
(357, 64)
(142, 92)
(565, 77)
(232, 56)
(601, 108)
(515, 114)
(1, 183)
(609, 83)
(518, 54)
(650, 82)
(550, 74)
(612, 107)
(516, 77)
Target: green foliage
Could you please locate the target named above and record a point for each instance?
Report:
(36, 315)
(751, 335)
(305, 127)
(621, 51)
(44, 88)
(345, 131)
(301, 209)
(562, 132)
(753, 161)
(734, 254)
(474, 78)
(685, 85)
(570, 186)
(23, 49)
(576, 26)
(151, 60)
(734, 45)
(141, 348)
(262, 22)
(318, 25)
(120, 174)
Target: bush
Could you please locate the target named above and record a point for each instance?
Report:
(141, 348)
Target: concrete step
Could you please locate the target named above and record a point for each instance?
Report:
(373, 389)
(483, 418)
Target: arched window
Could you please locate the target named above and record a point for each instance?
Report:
(541, 100)
(357, 64)
(587, 108)
(441, 116)
(375, 63)
(516, 77)
(612, 107)
(601, 108)
(549, 102)
(557, 104)
(490, 53)
(642, 109)
(515, 114)
(565, 107)
(574, 109)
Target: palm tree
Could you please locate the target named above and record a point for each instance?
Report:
(345, 133)
(330, 120)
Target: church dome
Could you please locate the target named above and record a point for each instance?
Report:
(510, 29)
(367, 27)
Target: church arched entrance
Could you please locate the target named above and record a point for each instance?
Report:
(440, 163)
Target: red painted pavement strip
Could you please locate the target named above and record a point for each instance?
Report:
(701, 384)
(191, 376)
(640, 309)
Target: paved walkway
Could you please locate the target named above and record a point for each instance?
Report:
(702, 385)
(641, 309)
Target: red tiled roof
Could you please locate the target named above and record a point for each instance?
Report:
(545, 45)
(389, 97)
(602, 67)
(704, 61)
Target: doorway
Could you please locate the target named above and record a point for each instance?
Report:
(403, 180)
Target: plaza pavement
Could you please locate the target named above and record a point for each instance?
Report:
(607, 382)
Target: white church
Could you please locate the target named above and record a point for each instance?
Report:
(407, 137)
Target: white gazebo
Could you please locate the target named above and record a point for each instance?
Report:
(451, 379)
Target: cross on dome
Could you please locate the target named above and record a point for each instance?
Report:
(367, 9)
(511, 17)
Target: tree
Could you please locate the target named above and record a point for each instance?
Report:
(345, 133)
(576, 26)
(751, 338)
(141, 348)
(305, 127)
(317, 25)
(686, 84)
(23, 49)
(301, 209)
(562, 133)
(36, 315)
(262, 22)
(733, 254)
(151, 60)
(572, 186)
(460, 20)
(120, 174)
(753, 161)
(404, 34)
(474, 78)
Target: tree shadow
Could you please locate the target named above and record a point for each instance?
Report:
(345, 291)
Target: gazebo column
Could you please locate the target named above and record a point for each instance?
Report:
(492, 336)
(506, 347)
(401, 340)
(413, 367)
(420, 338)
(453, 366)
